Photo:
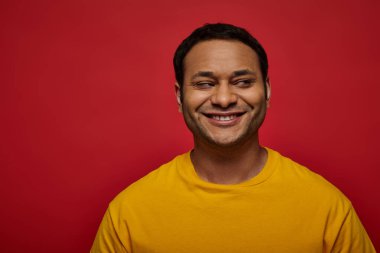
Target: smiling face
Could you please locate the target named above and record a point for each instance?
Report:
(223, 93)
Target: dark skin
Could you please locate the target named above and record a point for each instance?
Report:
(224, 105)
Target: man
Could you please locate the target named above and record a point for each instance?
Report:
(228, 194)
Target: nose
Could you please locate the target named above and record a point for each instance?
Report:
(223, 96)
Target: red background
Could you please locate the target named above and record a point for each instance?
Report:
(87, 103)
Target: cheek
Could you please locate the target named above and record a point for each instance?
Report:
(195, 99)
(254, 99)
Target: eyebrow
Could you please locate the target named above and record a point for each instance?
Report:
(243, 72)
(236, 73)
(203, 74)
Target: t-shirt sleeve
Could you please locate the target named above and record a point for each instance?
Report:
(109, 238)
(352, 236)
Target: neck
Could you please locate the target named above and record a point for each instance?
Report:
(228, 164)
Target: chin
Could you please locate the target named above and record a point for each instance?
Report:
(226, 142)
(233, 140)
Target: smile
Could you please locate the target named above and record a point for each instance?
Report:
(224, 118)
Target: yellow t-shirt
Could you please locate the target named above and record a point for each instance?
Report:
(286, 208)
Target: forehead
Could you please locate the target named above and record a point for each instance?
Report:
(220, 56)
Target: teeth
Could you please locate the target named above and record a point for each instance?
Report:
(223, 118)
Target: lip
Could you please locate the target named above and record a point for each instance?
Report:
(224, 119)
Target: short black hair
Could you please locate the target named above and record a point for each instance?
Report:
(219, 31)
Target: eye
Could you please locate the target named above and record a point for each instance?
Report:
(203, 85)
(244, 82)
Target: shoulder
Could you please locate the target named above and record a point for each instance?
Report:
(307, 182)
(157, 182)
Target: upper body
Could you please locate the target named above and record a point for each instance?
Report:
(223, 92)
(285, 208)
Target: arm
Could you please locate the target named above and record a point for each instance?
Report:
(352, 236)
(108, 239)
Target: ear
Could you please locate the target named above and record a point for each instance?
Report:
(178, 96)
(267, 84)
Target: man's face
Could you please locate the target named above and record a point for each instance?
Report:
(224, 99)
